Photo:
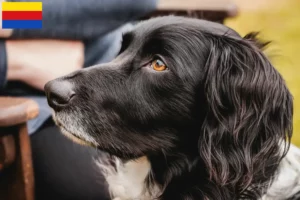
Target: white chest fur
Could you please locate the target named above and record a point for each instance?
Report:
(127, 181)
(287, 182)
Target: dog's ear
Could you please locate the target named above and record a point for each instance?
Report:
(248, 122)
(253, 37)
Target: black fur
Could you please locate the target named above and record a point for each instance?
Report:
(214, 126)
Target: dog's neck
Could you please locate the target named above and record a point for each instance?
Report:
(162, 177)
(128, 180)
(170, 171)
(148, 178)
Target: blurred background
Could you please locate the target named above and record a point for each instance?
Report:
(278, 21)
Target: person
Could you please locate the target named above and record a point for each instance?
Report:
(75, 34)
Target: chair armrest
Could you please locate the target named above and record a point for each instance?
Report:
(14, 111)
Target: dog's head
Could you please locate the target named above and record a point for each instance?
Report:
(183, 86)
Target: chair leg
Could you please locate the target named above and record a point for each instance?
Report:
(26, 162)
(18, 177)
(7, 151)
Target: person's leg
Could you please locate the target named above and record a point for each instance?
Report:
(65, 170)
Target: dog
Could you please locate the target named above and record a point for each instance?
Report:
(188, 110)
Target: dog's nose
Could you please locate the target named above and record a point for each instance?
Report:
(59, 93)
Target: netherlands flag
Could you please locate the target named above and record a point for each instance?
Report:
(22, 15)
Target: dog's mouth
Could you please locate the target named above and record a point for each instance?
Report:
(74, 137)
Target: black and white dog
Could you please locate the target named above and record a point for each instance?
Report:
(189, 110)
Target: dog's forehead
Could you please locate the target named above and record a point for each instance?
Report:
(175, 22)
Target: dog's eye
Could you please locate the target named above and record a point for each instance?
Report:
(158, 65)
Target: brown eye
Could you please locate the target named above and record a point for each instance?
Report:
(158, 65)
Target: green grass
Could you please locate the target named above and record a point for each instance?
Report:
(281, 24)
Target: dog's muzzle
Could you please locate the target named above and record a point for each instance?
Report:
(59, 93)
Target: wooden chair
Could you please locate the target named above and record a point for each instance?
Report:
(16, 172)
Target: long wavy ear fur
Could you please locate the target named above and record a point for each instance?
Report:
(253, 37)
(248, 122)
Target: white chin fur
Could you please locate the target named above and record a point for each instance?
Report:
(75, 132)
(73, 138)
